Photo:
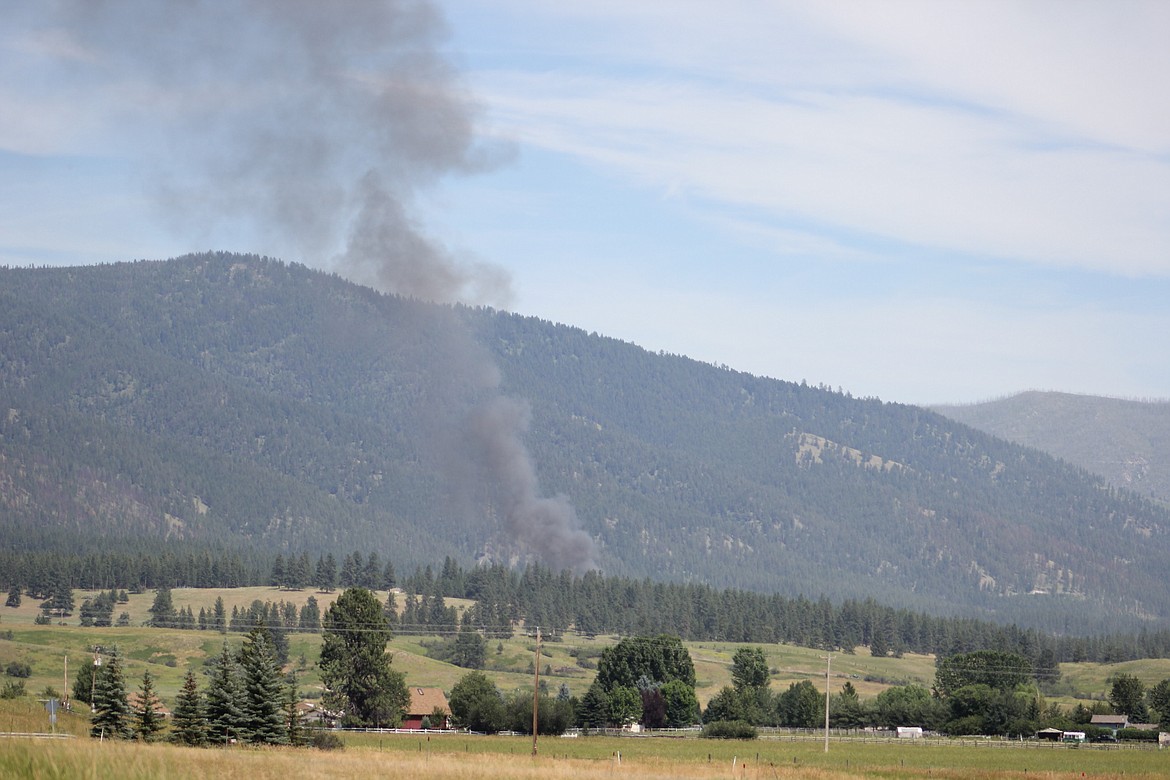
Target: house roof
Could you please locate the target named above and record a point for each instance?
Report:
(423, 701)
(1110, 720)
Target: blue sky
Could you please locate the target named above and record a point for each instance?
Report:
(925, 202)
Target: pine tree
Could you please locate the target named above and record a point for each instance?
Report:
(277, 576)
(310, 616)
(225, 694)
(325, 577)
(61, 603)
(294, 726)
(84, 683)
(190, 719)
(351, 570)
(219, 616)
(354, 665)
(13, 597)
(264, 721)
(162, 611)
(371, 575)
(300, 572)
(148, 721)
(111, 707)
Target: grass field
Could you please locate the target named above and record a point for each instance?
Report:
(450, 757)
(169, 654)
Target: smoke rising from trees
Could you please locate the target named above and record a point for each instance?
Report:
(313, 128)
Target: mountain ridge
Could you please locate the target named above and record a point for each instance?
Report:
(1125, 441)
(227, 397)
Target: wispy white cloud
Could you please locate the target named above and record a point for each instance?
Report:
(1021, 133)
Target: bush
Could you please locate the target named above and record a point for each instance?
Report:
(730, 729)
(1137, 735)
(18, 669)
(13, 689)
(325, 740)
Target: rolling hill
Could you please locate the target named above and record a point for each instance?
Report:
(1125, 442)
(237, 400)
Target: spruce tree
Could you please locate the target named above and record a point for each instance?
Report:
(225, 695)
(190, 719)
(13, 597)
(111, 707)
(148, 722)
(264, 720)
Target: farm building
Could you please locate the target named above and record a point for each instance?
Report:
(429, 705)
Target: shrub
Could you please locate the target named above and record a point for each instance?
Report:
(13, 689)
(730, 729)
(18, 669)
(325, 740)
(1137, 735)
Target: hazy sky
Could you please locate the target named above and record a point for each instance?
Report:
(921, 201)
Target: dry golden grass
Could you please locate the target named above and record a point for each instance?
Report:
(132, 761)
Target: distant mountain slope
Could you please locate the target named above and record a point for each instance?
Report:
(1126, 442)
(240, 400)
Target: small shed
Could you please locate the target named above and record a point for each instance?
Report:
(909, 732)
(1052, 735)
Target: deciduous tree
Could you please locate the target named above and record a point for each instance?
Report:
(476, 703)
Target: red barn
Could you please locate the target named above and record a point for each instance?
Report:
(424, 702)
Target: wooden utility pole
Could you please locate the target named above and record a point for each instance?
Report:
(828, 663)
(535, 691)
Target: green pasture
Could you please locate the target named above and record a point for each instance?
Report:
(871, 758)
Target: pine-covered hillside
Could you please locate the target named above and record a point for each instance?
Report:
(1127, 442)
(229, 400)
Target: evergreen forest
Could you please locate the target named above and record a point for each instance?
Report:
(223, 409)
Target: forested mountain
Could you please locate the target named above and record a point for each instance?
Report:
(231, 400)
(1126, 442)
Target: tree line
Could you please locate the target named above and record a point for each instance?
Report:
(560, 601)
(649, 680)
(985, 692)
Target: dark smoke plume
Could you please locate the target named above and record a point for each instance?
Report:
(312, 127)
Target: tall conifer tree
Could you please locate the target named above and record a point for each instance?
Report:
(190, 718)
(148, 721)
(264, 720)
(111, 706)
(225, 694)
